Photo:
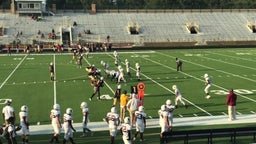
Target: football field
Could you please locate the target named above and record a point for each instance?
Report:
(26, 80)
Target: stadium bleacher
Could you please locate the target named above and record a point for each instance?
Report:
(154, 27)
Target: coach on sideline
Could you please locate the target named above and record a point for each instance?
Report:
(231, 103)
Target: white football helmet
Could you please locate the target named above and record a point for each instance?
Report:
(56, 106)
(119, 67)
(174, 87)
(126, 120)
(126, 60)
(137, 64)
(101, 78)
(113, 109)
(69, 111)
(102, 62)
(119, 86)
(24, 108)
(83, 104)
(51, 63)
(206, 75)
(168, 102)
(141, 108)
(163, 107)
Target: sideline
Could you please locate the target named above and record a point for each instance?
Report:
(154, 123)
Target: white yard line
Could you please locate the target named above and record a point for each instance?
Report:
(230, 56)
(13, 71)
(201, 79)
(228, 63)
(54, 82)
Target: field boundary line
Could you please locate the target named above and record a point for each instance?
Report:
(13, 71)
(201, 79)
(169, 89)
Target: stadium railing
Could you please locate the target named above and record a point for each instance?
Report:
(209, 134)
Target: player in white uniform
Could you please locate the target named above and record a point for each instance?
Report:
(140, 119)
(114, 75)
(137, 67)
(113, 121)
(178, 96)
(68, 127)
(121, 74)
(105, 65)
(56, 124)
(85, 111)
(8, 113)
(126, 130)
(164, 123)
(116, 58)
(170, 108)
(128, 67)
(24, 123)
(208, 84)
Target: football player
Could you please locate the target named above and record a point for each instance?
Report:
(114, 75)
(170, 108)
(79, 60)
(68, 127)
(178, 96)
(24, 123)
(208, 84)
(105, 65)
(140, 119)
(121, 74)
(97, 86)
(117, 95)
(116, 58)
(51, 68)
(164, 123)
(85, 111)
(137, 67)
(113, 121)
(8, 113)
(128, 67)
(74, 57)
(56, 124)
(126, 131)
(179, 64)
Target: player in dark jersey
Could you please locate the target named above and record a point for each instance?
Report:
(97, 86)
(79, 61)
(179, 64)
(51, 68)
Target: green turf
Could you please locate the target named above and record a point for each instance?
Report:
(29, 82)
